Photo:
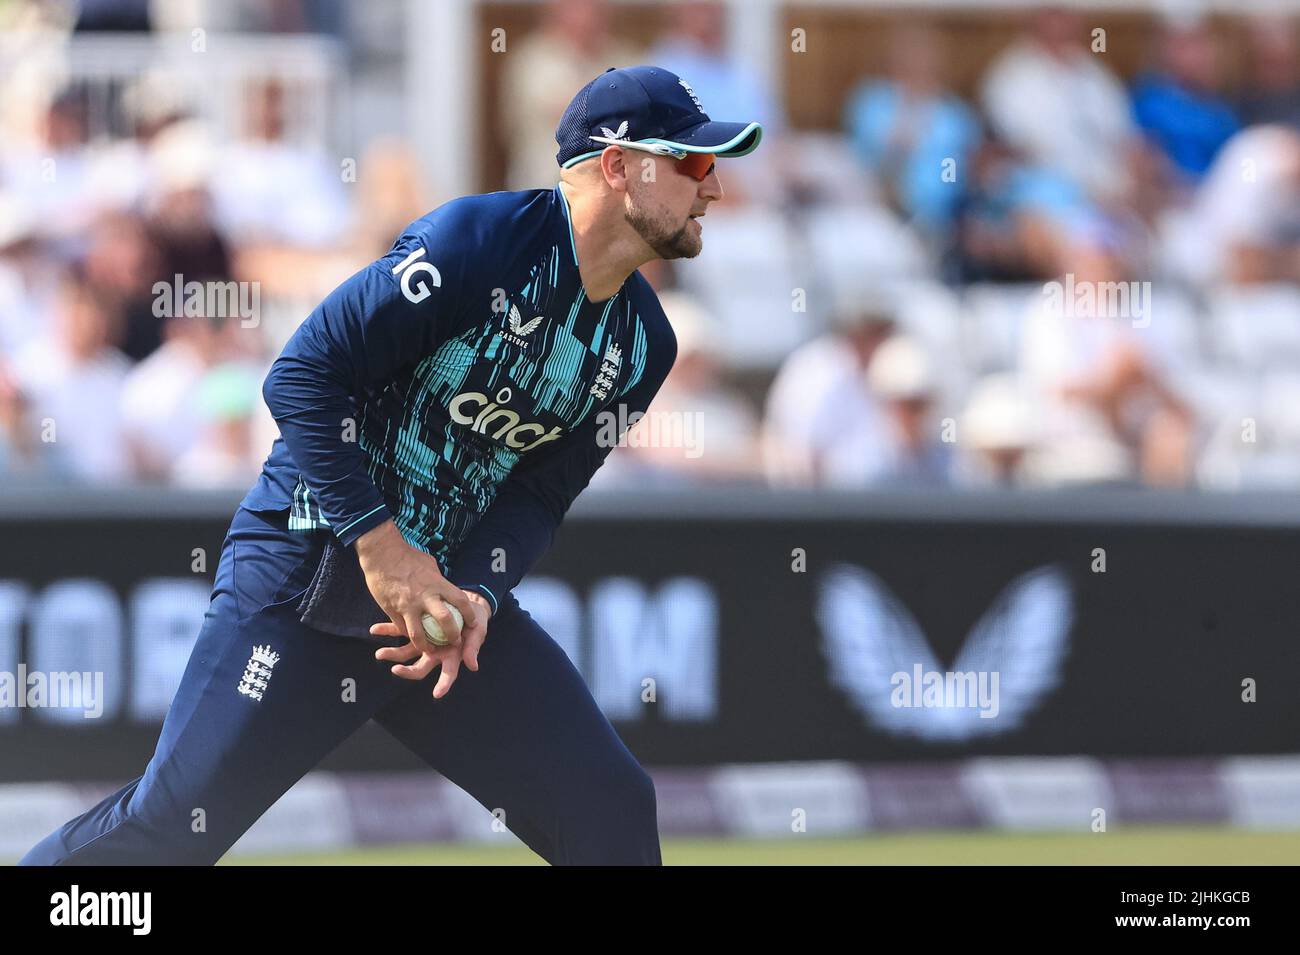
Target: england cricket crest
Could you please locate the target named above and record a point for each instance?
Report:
(258, 672)
(608, 373)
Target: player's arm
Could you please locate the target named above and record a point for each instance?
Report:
(357, 339)
(511, 535)
(521, 522)
(386, 316)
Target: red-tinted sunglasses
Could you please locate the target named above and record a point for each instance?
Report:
(697, 165)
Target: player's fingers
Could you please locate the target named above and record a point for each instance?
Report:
(457, 598)
(418, 670)
(386, 629)
(476, 623)
(398, 620)
(415, 633)
(473, 638)
(403, 654)
(440, 612)
(450, 670)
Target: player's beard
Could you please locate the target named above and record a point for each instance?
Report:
(658, 230)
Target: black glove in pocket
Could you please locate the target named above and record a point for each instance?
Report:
(338, 600)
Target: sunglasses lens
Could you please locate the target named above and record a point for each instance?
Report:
(696, 165)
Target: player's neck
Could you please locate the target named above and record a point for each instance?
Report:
(608, 249)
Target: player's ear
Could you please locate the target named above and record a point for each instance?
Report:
(613, 166)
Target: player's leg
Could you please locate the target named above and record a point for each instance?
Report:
(524, 736)
(246, 723)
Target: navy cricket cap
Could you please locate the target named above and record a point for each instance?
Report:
(650, 106)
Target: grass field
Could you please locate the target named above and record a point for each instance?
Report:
(1145, 846)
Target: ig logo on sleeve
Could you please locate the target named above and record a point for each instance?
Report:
(408, 268)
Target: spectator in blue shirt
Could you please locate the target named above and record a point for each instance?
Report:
(910, 132)
(1179, 107)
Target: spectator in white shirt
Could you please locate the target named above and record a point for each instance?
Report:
(160, 414)
(700, 428)
(821, 391)
(906, 450)
(72, 382)
(573, 45)
(1052, 97)
(226, 454)
(272, 190)
(1244, 224)
(1109, 408)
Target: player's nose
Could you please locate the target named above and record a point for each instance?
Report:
(711, 187)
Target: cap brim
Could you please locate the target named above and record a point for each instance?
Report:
(725, 140)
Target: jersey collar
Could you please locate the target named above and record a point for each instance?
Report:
(568, 221)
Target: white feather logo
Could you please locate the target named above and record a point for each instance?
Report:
(610, 134)
(868, 636)
(519, 326)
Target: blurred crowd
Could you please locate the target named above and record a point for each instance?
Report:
(1071, 277)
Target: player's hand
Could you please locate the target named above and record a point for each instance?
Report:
(412, 663)
(407, 583)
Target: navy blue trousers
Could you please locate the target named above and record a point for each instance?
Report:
(522, 735)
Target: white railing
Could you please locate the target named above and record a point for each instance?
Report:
(209, 72)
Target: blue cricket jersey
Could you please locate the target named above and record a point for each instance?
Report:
(462, 385)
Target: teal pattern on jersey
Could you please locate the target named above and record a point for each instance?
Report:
(439, 474)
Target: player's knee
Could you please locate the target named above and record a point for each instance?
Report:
(613, 822)
(628, 791)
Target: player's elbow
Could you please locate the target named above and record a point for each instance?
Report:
(286, 388)
(271, 387)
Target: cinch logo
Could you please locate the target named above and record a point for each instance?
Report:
(488, 417)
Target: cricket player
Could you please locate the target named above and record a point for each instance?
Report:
(439, 412)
